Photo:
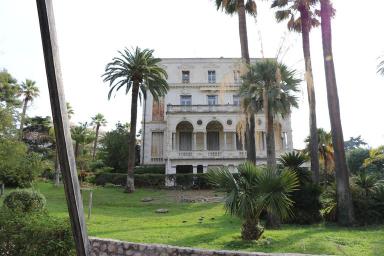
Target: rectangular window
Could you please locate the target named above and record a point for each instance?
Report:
(213, 141)
(211, 76)
(185, 76)
(236, 76)
(236, 100)
(185, 100)
(158, 109)
(185, 142)
(212, 99)
(157, 144)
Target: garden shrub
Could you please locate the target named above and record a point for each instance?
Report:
(197, 181)
(18, 168)
(150, 169)
(34, 234)
(25, 201)
(307, 206)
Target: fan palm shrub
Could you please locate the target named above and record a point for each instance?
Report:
(307, 197)
(253, 190)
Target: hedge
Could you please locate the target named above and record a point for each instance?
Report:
(25, 201)
(34, 234)
(198, 181)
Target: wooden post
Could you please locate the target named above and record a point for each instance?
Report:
(90, 204)
(61, 125)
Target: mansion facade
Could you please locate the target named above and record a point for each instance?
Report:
(199, 123)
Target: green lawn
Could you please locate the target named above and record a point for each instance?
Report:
(123, 216)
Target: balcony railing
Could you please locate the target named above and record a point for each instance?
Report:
(203, 108)
(207, 154)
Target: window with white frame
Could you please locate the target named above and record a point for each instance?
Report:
(211, 76)
(185, 76)
(212, 99)
(236, 100)
(157, 144)
(185, 100)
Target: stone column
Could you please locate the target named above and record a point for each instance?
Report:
(205, 168)
(225, 141)
(205, 141)
(194, 141)
(234, 141)
(194, 169)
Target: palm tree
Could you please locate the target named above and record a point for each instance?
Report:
(28, 91)
(82, 136)
(294, 161)
(344, 198)
(138, 71)
(271, 85)
(98, 120)
(303, 24)
(254, 190)
(241, 7)
(325, 149)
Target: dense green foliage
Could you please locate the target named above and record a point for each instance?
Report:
(17, 166)
(355, 159)
(306, 208)
(154, 180)
(25, 201)
(114, 148)
(126, 218)
(354, 143)
(34, 234)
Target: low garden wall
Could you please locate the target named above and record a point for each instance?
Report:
(109, 247)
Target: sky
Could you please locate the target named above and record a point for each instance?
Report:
(90, 32)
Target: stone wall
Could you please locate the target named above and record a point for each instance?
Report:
(109, 247)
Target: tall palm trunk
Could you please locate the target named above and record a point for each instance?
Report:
(130, 187)
(95, 143)
(344, 200)
(271, 153)
(313, 143)
(272, 220)
(23, 118)
(250, 122)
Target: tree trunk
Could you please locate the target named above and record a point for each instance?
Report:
(271, 153)
(251, 230)
(314, 141)
(250, 124)
(272, 220)
(243, 32)
(95, 143)
(344, 200)
(22, 120)
(130, 187)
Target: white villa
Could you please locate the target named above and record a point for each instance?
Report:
(198, 124)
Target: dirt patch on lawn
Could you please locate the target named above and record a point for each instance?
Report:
(194, 196)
